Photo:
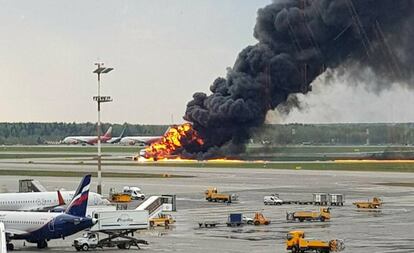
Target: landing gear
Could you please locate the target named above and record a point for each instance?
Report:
(41, 244)
(10, 246)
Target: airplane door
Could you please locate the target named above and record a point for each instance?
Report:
(52, 225)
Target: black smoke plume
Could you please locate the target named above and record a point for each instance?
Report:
(298, 40)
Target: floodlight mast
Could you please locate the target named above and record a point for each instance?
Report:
(100, 70)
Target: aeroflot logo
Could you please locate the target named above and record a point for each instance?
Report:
(124, 218)
(80, 198)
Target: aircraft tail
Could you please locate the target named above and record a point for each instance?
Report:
(79, 203)
(122, 133)
(108, 133)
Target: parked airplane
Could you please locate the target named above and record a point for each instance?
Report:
(43, 201)
(91, 140)
(40, 227)
(141, 140)
(117, 139)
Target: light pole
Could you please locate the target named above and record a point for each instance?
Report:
(100, 70)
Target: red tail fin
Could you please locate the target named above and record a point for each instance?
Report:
(108, 133)
(60, 198)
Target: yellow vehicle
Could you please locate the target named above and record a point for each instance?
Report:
(212, 195)
(323, 215)
(162, 220)
(121, 197)
(375, 203)
(259, 219)
(295, 242)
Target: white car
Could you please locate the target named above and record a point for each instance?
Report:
(247, 220)
(272, 200)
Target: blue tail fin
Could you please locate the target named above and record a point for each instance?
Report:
(79, 203)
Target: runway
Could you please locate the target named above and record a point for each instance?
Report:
(387, 230)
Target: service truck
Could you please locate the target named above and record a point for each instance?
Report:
(323, 215)
(272, 200)
(212, 195)
(135, 192)
(118, 225)
(235, 220)
(296, 243)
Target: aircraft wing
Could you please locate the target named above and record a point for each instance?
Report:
(15, 231)
(61, 202)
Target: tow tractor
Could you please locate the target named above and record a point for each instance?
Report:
(373, 204)
(322, 215)
(258, 219)
(119, 226)
(161, 220)
(295, 242)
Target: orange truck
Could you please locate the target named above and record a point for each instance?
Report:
(296, 243)
(212, 195)
(323, 215)
(373, 204)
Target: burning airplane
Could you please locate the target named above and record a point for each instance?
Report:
(298, 40)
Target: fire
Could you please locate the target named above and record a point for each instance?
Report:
(172, 142)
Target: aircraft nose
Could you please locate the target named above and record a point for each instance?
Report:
(94, 221)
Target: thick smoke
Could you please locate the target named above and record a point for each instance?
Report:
(298, 40)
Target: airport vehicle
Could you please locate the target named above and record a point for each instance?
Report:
(40, 227)
(91, 140)
(259, 219)
(373, 204)
(3, 242)
(121, 197)
(208, 224)
(212, 195)
(295, 242)
(323, 215)
(117, 225)
(235, 220)
(91, 240)
(336, 199)
(135, 192)
(161, 220)
(247, 220)
(320, 199)
(272, 200)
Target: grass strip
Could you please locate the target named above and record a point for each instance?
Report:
(334, 166)
(46, 173)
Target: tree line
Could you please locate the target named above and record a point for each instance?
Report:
(41, 133)
(288, 134)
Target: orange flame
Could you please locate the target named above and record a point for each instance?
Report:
(172, 142)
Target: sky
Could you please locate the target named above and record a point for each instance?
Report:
(162, 51)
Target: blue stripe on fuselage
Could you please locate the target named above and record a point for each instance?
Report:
(61, 226)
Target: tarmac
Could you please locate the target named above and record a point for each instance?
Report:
(386, 230)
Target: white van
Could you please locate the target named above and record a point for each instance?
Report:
(135, 192)
(272, 200)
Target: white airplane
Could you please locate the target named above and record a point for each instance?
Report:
(43, 201)
(40, 227)
(118, 139)
(140, 140)
(91, 140)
